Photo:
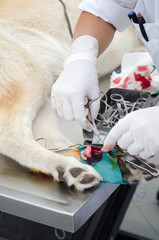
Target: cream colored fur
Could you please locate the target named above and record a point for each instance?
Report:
(34, 41)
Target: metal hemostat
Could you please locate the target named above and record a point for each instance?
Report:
(130, 160)
(59, 149)
(114, 105)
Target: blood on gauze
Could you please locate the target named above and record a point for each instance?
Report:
(143, 68)
(149, 78)
(117, 80)
(145, 83)
(126, 83)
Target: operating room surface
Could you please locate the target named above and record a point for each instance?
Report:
(38, 198)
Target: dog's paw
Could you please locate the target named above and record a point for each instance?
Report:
(76, 174)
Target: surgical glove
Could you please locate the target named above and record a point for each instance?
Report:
(138, 133)
(78, 82)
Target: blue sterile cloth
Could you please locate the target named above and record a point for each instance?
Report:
(106, 165)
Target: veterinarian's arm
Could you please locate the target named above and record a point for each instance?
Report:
(79, 79)
(92, 36)
(88, 24)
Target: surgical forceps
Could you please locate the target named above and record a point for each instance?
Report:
(119, 99)
(107, 110)
(59, 149)
(70, 147)
(92, 122)
(154, 172)
(138, 104)
(98, 137)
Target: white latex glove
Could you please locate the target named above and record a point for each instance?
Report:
(138, 133)
(78, 80)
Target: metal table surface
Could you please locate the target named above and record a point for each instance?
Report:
(38, 198)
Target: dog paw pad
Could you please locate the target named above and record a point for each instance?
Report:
(88, 178)
(75, 172)
(60, 171)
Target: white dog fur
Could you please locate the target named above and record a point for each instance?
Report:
(34, 42)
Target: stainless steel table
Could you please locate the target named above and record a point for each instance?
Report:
(40, 199)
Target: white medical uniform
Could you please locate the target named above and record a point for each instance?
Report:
(116, 12)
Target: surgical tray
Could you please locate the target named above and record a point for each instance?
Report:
(114, 105)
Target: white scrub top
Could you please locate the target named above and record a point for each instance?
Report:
(116, 12)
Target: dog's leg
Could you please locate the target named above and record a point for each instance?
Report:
(16, 142)
(29, 153)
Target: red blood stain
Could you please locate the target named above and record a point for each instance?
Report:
(149, 78)
(126, 83)
(143, 68)
(145, 83)
(117, 80)
(92, 155)
(91, 151)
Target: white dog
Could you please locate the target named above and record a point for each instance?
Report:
(34, 42)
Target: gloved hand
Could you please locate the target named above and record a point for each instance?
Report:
(138, 133)
(78, 80)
